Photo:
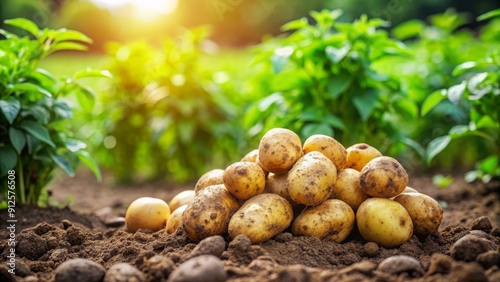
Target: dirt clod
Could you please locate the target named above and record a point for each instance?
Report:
(401, 264)
(482, 223)
(214, 245)
(439, 263)
(370, 249)
(124, 272)
(79, 270)
(489, 259)
(158, 268)
(205, 268)
(31, 246)
(469, 247)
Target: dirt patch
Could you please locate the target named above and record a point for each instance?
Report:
(49, 237)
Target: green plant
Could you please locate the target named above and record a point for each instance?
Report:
(480, 95)
(34, 134)
(320, 79)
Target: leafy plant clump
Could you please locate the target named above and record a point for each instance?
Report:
(34, 136)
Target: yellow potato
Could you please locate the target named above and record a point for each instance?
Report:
(384, 222)
(279, 149)
(348, 189)
(209, 212)
(331, 220)
(147, 213)
(175, 219)
(261, 218)
(278, 184)
(182, 198)
(327, 145)
(212, 177)
(244, 179)
(408, 189)
(358, 155)
(383, 177)
(311, 179)
(425, 212)
(251, 156)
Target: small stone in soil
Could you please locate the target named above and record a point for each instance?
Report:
(468, 248)
(284, 237)
(401, 264)
(482, 223)
(115, 221)
(158, 268)
(370, 249)
(124, 272)
(213, 245)
(489, 259)
(205, 268)
(79, 270)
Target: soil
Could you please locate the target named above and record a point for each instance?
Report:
(90, 226)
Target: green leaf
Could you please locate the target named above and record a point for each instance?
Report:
(85, 97)
(456, 92)
(432, 100)
(92, 73)
(317, 128)
(28, 87)
(289, 79)
(472, 176)
(334, 121)
(17, 139)
(365, 103)
(408, 29)
(335, 55)
(9, 159)
(71, 35)
(489, 15)
(37, 130)
(10, 108)
(24, 24)
(442, 181)
(296, 24)
(67, 46)
(406, 108)
(489, 165)
(281, 57)
(463, 68)
(63, 110)
(337, 85)
(63, 163)
(270, 100)
(414, 145)
(458, 131)
(436, 146)
(74, 145)
(85, 158)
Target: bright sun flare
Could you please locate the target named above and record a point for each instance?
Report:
(142, 7)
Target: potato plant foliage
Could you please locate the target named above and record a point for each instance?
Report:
(34, 136)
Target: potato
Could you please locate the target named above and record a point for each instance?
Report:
(244, 179)
(327, 145)
(182, 198)
(425, 212)
(148, 213)
(251, 156)
(348, 189)
(279, 149)
(383, 177)
(209, 212)
(358, 155)
(408, 189)
(331, 220)
(384, 222)
(278, 184)
(212, 177)
(261, 218)
(311, 179)
(175, 219)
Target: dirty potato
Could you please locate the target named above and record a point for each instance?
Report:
(212, 177)
(244, 180)
(327, 145)
(261, 218)
(384, 222)
(383, 177)
(251, 156)
(279, 149)
(278, 184)
(182, 198)
(175, 219)
(331, 220)
(358, 155)
(148, 213)
(348, 189)
(425, 212)
(311, 179)
(209, 212)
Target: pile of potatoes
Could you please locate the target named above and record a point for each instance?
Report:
(318, 188)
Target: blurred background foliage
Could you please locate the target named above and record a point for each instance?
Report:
(196, 83)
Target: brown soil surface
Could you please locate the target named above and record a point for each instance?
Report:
(48, 237)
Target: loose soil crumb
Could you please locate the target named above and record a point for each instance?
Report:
(47, 238)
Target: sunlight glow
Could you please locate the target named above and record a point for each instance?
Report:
(144, 9)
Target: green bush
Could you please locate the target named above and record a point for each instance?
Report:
(34, 136)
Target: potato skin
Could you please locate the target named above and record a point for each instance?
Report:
(148, 213)
(425, 212)
(209, 212)
(279, 149)
(182, 198)
(278, 184)
(251, 156)
(383, 177)
(329, 147)
(311, 179)
(261, 218)
(331, 220)
(358, 155)
(348, 189)
(175, 219)
(212, 177)
(384, 222)
(244, 180)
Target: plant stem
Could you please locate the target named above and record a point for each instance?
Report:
(21, 182)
